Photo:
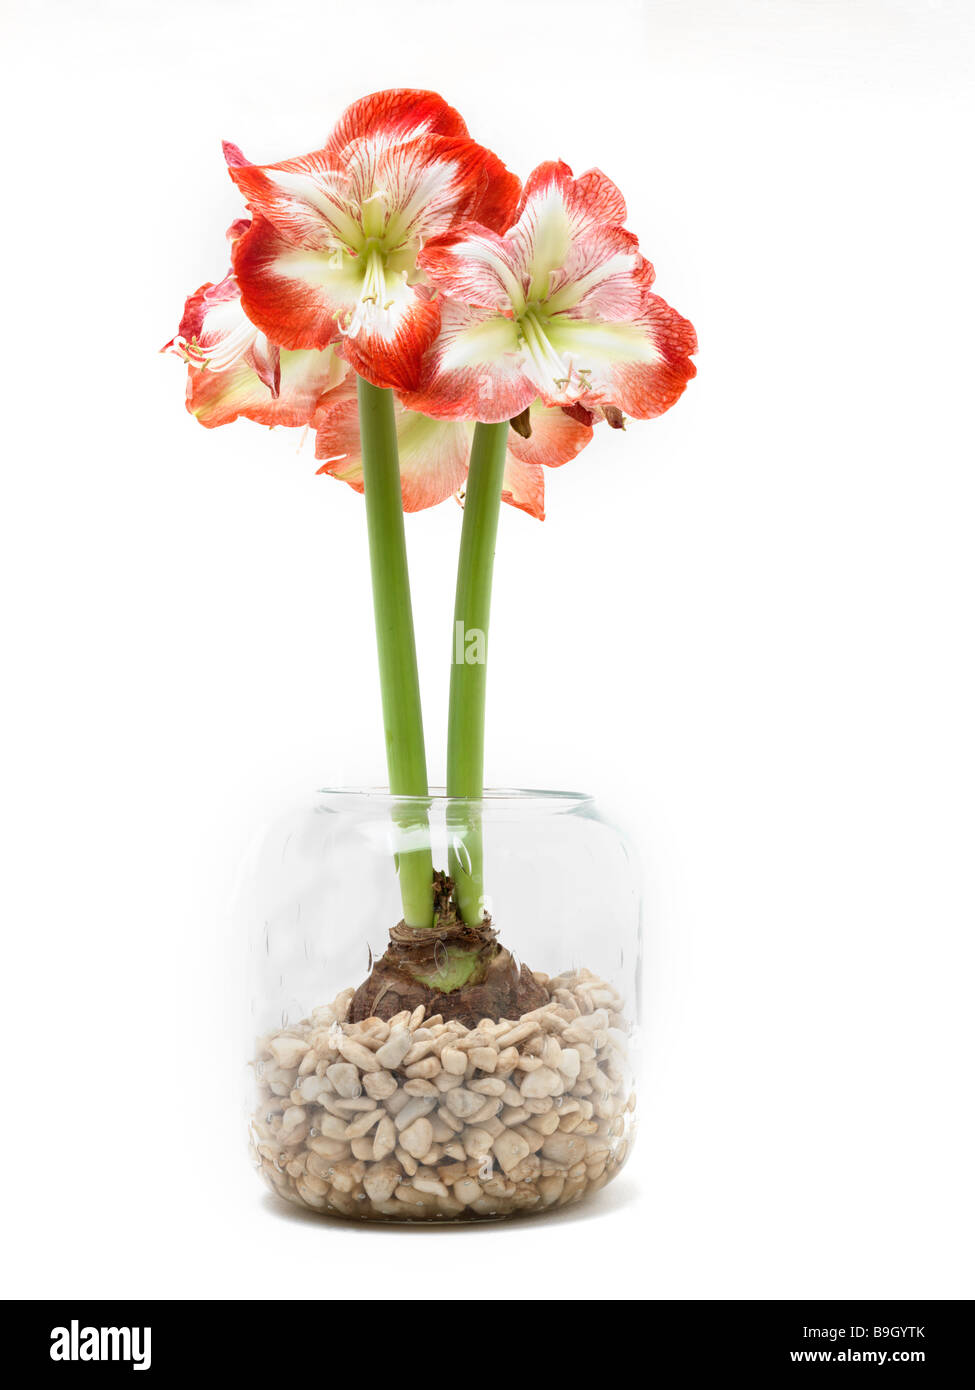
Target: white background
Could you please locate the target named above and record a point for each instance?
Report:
(747, 626)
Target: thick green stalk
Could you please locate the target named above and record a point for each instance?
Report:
(468, 673)
(398, 676)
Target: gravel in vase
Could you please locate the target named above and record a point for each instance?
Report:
(416, 1119)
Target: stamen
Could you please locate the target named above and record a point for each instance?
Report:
(547, 361)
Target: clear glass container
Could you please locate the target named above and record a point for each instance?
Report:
(424, 1117)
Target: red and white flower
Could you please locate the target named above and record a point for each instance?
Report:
(332, 251)
(234, 370)
(433, 454)
(559, 307)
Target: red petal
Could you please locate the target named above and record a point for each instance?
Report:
(642, 366)
(309, 201)
(602, 276)
(234, 371)
(195, 309)
(473, 371)
(394, 358)
(398, 114)
(523, 486)
(556, 437)
(281, 293)
(474, 264)
(592, 197)
(646, 392)
(432, 184)
(432, 453)
(218, 398)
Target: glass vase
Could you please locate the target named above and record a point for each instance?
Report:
(440, 1112)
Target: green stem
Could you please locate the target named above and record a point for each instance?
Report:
(398, 676)
(468, 674)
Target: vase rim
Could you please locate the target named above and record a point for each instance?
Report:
(495, 796)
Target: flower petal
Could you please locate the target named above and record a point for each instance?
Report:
(402, 113)
(234, 370)
(333, 251)
(433, 454)
(523, 485)
(310, 202)
(214, 328)
(433, 184)
(218, 398)
(642, 366)
(295, 295)
(386, 342)
(556, 437)
(375, 124)
(474, 264)
(555, 209)
(473, 371)
(592, 198)
(603, 276)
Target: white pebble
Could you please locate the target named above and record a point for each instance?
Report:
(463, 1103)
(288, 1052)
(345, 1079)
(484, 1057)
(467, 1191)
(380, 1181)
(417, 1137)
(564, 1148)
(570, 1064)
(415, 1107)
(395, 1048)
(510, 1149)
(453, 1061)
(543, 1081)
(384, 1141)
(358, 1055)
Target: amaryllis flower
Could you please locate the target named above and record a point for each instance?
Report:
(560, 307)
(332, 250)
(433, 454)
(235, 370)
